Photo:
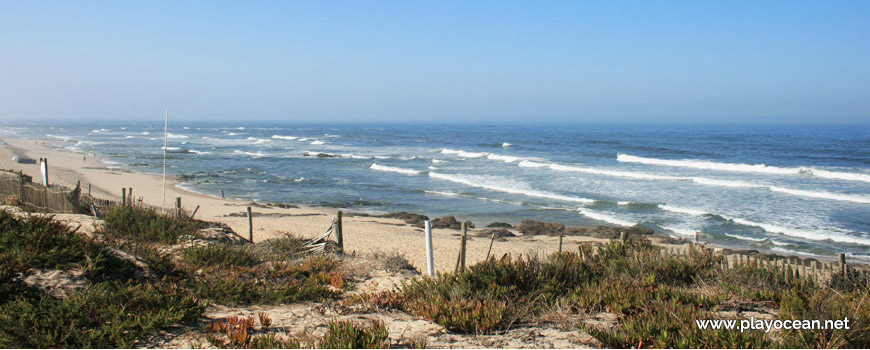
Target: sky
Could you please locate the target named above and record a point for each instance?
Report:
(437, 61)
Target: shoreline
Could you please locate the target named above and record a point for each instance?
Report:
(363, 234)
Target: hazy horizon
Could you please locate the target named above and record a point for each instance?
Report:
(409, 62)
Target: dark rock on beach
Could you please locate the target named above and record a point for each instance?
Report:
(532, 227)
(608, 232)
(499, 233)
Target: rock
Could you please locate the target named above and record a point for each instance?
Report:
(449, 222)
(499, 225)
(409, 218)
(499, 233)
(532, 227)
(608, 232)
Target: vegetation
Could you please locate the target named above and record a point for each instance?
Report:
(115, 311)
(135, 283)
(656, 297)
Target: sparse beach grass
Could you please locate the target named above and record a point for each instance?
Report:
(655, 297)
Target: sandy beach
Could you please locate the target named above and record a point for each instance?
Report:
(361, 234)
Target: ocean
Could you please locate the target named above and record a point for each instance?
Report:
(788, 189)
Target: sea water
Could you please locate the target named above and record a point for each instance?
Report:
(791, 189)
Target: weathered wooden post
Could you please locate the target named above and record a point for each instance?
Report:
(130, 196)
(89, 190)
(491, 239)
(178, 207)
(463, 241)
(622, 236)
(339, 235)
(430, 259)
(843, 264)
(560, 243)
(250, 226)
(123, 196)
(194, 211)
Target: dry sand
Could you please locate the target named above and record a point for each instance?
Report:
(361, 234)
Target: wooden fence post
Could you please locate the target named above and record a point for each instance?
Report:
(464, 229)
(430, 259)
(178, 207)
(622, 236)
(843, 264)
(89, 190)
(492, 239)
(339, 235)
(130, 196)
(250, 226)
(194, 211)
(560, 243)
(123, 196)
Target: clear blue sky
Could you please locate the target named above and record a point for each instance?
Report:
(694, 61)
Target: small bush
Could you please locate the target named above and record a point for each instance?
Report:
(347, 335)
(220, 255)
(147, 225)
(108, 315)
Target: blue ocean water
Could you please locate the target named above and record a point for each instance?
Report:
(803, 189)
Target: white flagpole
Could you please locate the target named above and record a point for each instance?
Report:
(165, 138)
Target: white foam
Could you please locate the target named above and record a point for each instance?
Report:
(99, 131)
(823, 195)
(463, 154)
(281, 137)
(299, 179)
(433, 167)
(595, 215)
(724, 183)
(614, 173)
(506, 159)
(623, 203)
(447, 194)
(146, 133)
(173, 136)
(64, 138)
(436, 161)
(506, 145)
(746, 238)
(799, 233)
(304, 139)
(743, 168)
(317, 142)
(258, 154)
(840, 175)
(198, 152)
(129, 137)
(232, 134)
(531, 164)
(688, 211)
(681, 230)
(406, 171)
(171, 148)
(495, 185)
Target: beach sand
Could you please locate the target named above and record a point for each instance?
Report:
(361, 234)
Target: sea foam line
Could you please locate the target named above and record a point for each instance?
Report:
(605, 217)
(392, 169)
(771, 228)
(743, 168)
(507, 188)
(699, 180)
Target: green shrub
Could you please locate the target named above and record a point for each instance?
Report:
(146, 225)
(108, 315)
(347, 335)
(220, 255)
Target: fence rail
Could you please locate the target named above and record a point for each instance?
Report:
(20, 189)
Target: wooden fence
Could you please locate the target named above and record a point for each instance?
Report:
(19, 188)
